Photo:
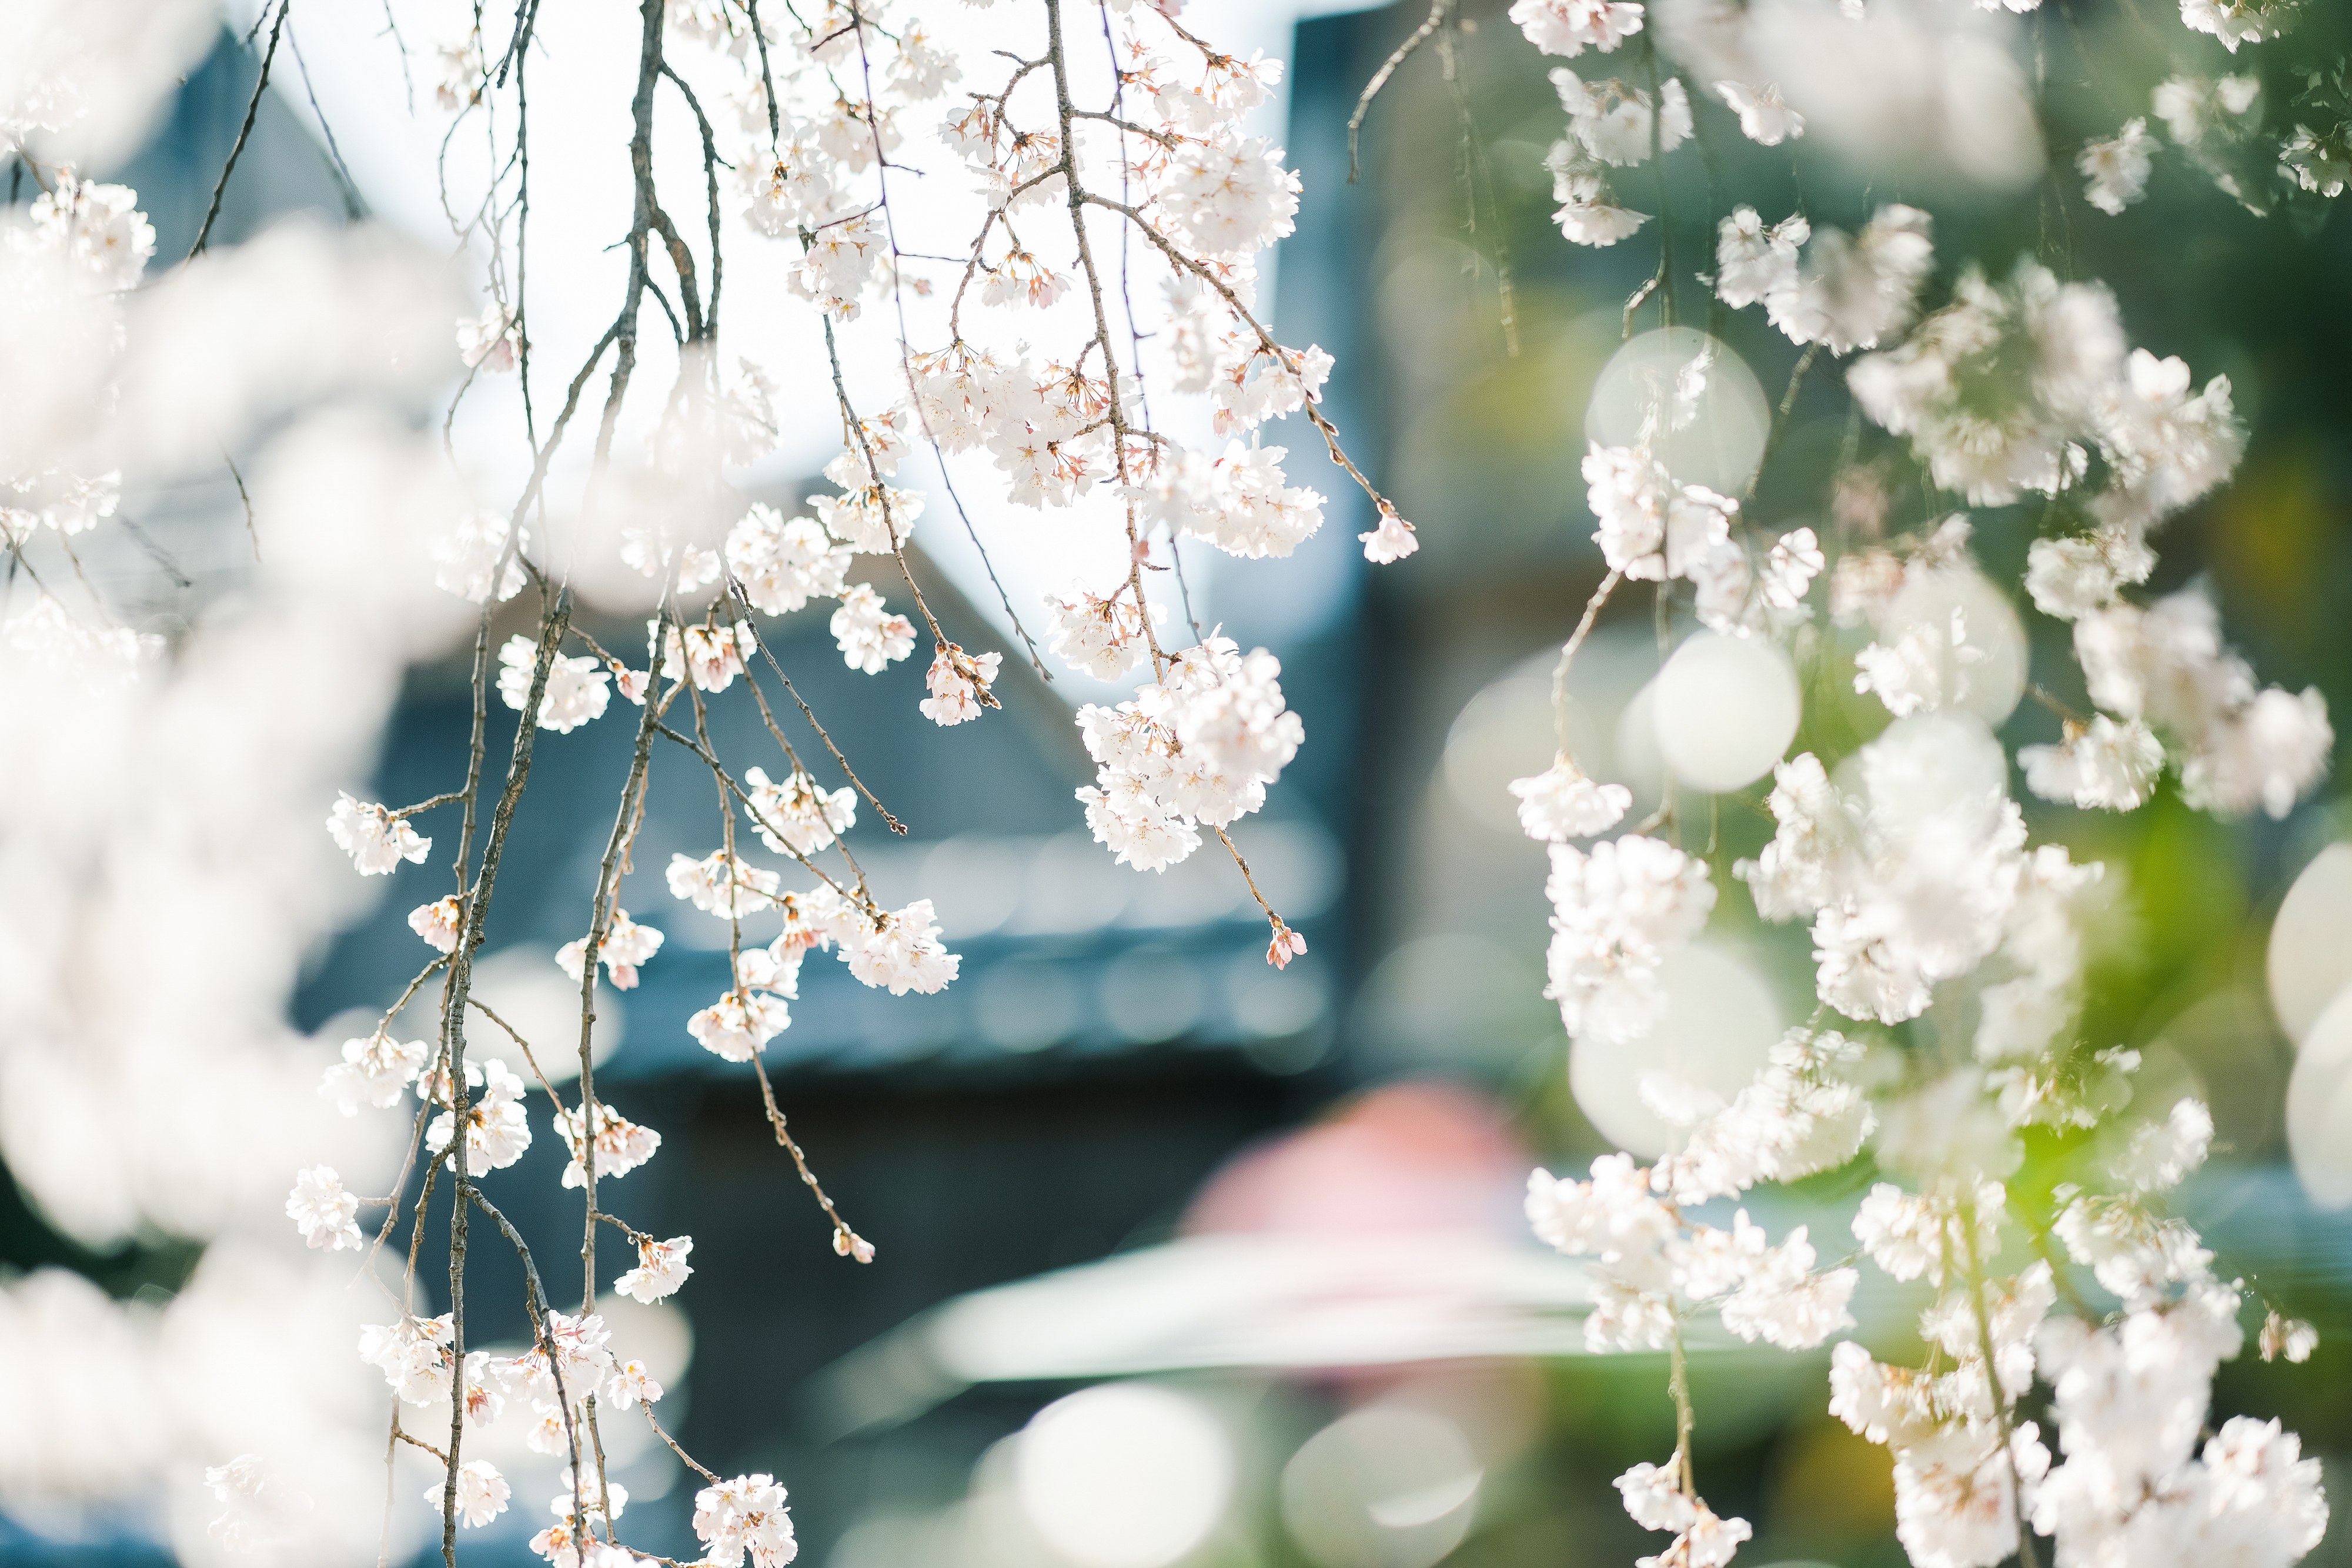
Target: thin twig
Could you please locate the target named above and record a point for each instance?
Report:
(600, 907)
(352, 209)
(252, 107)
(1438, 11)
(809, 714)
(1568, 656)
(1780, 419)
(461, 974)
(252, 531)
(845, 1241)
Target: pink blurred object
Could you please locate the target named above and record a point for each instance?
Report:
(1411, 1156)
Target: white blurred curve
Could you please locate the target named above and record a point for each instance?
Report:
(2310, 956)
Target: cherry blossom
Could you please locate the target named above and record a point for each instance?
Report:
(1802, 1114)
(99, 228)
(632, 1384)
(1615, 121)
(1908, 1235)
(1392, 540)
(438, 923)
(661, 1269)
(482, 1493)
(959, 684)
(1102, 637)
(872, 519)
(2115, 170)
(869, 636)
(375, 1069)
(900, 951)
(1765, 118)
(1197, 747)
(577, 687)
(581, 1355)
(1782, 1302)
(1571, 26)
(1928, 908)
(375, 839)
(474, 561)
(460, 80)
(1651, 527)
(2234, 22)
(489, 342)
(1909, 883)
(322, 1211)
(746, 1515)
(622, 1145)
(654, 551)
(1850, 292)
(1589, 213)
(599, 1497)
(798, 816)
(2193, 107)
(738, 1023)
(1560, 803)
(727, 888)
(782, 564)
(626, 948)
(1753, 262)
(1616, 913)
(2289, 1337)
(2165, 664)
(244, 1524)
(413, 1357)
(1230, 199)
(1654, 1500)
(497, 1131)
(2101, 765)
(1239, 502)
(711, 656)
(2162, 1154)
(2069, 579)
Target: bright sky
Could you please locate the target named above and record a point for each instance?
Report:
(581, 81)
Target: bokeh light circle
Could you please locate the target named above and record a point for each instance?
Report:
(1989, 667)
(1707, 426)
(1382, 1486)
(1720, 1026)
(2319, 1106)
(1724, 710)
(2311, 941)
(1124, 1475)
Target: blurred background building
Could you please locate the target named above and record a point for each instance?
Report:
(1250, 1241)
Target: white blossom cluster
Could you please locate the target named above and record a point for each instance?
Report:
(1652, 1261)
(2223, 127)
(1654, 528)
(1653, 1264)
(2010, 389)
(547, 1389)
(1195, 749)
(2128, 1398)
(1908, 882)
(1617, 911)
(744, 1517)
(826, 106)
(1957, 946)
(2160, 674)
